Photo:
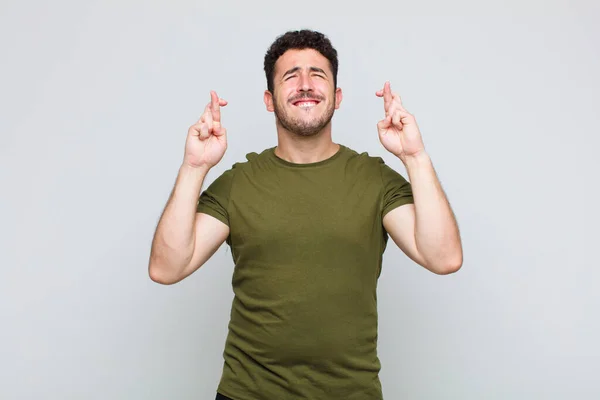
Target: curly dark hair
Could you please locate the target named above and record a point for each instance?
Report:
(301, 39)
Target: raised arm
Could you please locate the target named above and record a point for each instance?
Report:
(426, 231)
(184, 239)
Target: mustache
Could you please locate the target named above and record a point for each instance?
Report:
(306, 96)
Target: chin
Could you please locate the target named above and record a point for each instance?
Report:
(304, 123)
(299, 128)
(307, 132)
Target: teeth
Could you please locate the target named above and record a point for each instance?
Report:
(306, 104)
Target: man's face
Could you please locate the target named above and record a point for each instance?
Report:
(304, 97)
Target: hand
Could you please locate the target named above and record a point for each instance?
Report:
(398, 131)
(207, 139)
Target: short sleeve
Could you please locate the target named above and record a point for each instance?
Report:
(397, 191)
(214, 200)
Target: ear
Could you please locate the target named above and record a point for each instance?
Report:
(338, 97)
(268, 99)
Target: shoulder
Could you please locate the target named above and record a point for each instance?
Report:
(364, 160)
(254, 157)
(374, 168)
(254, 161)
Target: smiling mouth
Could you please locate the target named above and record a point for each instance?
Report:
(306, 103)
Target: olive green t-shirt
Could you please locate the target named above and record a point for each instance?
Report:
(307, 241)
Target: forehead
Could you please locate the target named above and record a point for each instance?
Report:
(301, 58)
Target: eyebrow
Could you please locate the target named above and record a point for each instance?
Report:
(296, 69)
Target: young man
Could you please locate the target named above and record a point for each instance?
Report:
(308, 222)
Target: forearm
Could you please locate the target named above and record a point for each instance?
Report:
(173, 243)
(436, 232)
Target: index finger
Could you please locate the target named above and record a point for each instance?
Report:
(387, 94)
(396, 97)
(215, 107)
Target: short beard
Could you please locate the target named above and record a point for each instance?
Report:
(300, 127)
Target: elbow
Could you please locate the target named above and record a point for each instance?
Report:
(159, 273)
(448, 267)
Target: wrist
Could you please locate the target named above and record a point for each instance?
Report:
(416, 160)
(194, 171)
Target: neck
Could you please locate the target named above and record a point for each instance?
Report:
(305, 149)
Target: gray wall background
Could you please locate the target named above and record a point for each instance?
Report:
(96, 100)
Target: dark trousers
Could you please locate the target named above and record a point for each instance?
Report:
(222, 397)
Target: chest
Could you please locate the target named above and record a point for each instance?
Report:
(305, 213)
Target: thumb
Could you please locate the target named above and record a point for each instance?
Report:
(222, 137)
(216, 128)
(220, 132)
(384, 123)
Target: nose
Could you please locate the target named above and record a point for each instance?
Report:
(305, 83)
